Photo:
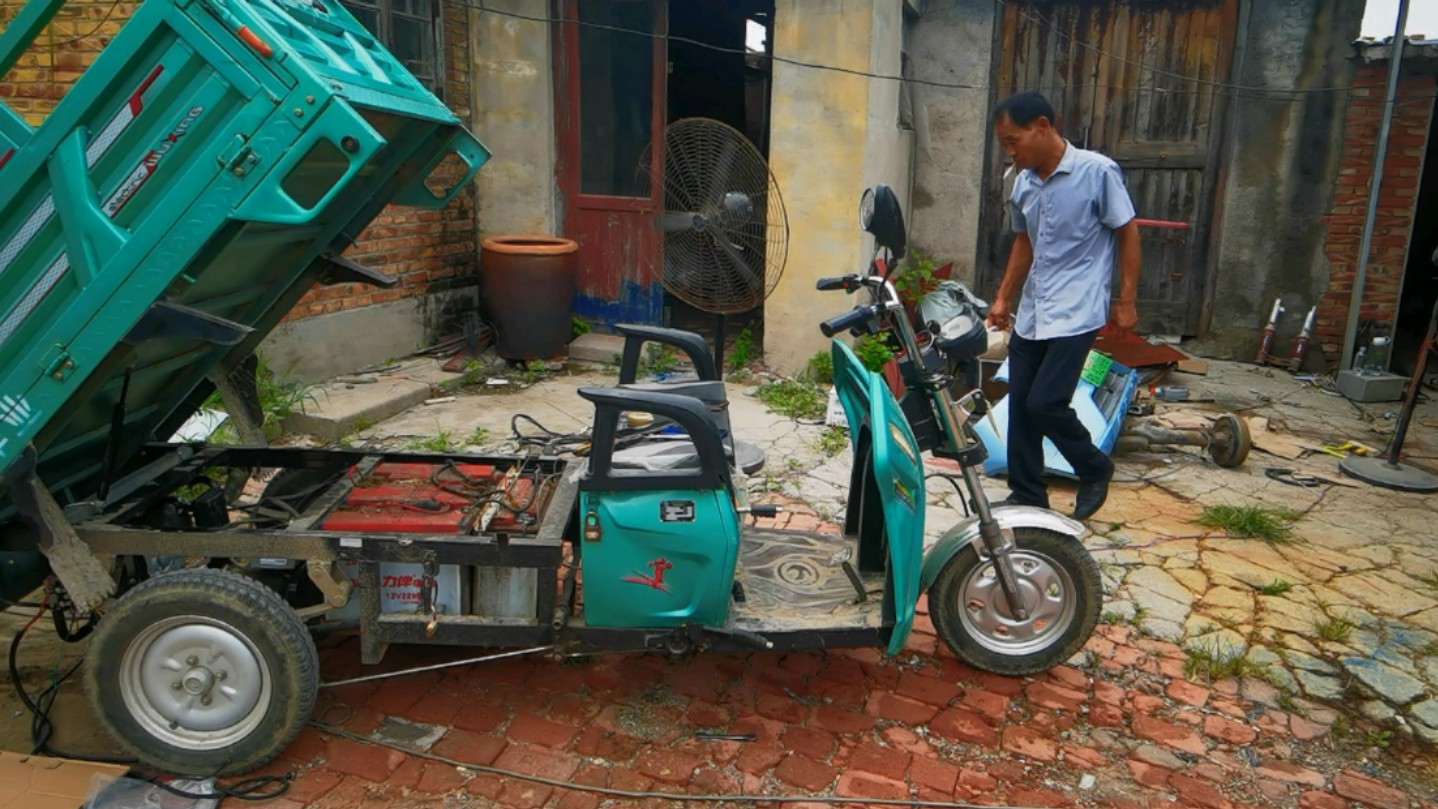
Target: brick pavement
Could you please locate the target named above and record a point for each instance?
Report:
(1129, 732)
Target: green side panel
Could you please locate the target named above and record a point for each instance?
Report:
(899, 474)
(851, 383)
(650, 571)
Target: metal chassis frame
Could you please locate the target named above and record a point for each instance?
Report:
(100, 527)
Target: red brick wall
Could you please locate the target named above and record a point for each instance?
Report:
(1392, 228)
(424, 249)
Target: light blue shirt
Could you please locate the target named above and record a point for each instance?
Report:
(1070, 219)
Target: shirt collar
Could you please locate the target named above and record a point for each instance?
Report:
(1066, 163)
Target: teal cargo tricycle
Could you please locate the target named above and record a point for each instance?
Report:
(211, 666)
(1011, 590)
(216, 162)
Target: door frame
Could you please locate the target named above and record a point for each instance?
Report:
(567, 111)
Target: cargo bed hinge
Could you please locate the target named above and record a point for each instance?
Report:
(238, 157)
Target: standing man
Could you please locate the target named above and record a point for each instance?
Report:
(1070, 214)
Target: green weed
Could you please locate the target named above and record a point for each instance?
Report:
(873, 351)
(744, 352)
(1272, 525)
(439, 442)
(1277, 588)
(1216, 664)
(277, 401)
(661, 359)
(833, 440)
(916, 277)
(820, 369)
(1335, 630)
(798, 400)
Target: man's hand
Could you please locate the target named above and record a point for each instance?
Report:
(1123, 317)
(999, 314)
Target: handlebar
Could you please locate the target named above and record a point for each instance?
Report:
(832, 282)
(848, 320)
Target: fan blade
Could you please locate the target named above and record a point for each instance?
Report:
(722, 171)
(675, 221)
(737, 261)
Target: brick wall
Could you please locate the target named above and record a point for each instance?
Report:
(426, 250)
(59, 55)
(1392, 228)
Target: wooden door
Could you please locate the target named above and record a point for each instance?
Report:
(1136, 81)
(609, 107)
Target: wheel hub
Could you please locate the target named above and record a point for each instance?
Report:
(1048, 594)
(198, 680)
(194, 682)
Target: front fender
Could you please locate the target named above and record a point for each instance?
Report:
(967, 533)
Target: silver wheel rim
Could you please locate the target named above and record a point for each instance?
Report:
(195, 682)
(1048, 593)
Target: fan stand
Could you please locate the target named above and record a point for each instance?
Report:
(1388, 472)
(719, 338)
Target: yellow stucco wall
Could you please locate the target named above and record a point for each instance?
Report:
(830, 135)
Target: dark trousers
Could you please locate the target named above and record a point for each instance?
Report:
(1043, 375)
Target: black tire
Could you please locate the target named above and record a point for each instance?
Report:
(247, 629)
(999, 651)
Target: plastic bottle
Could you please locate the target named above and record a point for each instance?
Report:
(1170, 393)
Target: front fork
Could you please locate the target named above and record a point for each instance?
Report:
(998, 545)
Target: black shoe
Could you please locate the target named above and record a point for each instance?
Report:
(1092, 493)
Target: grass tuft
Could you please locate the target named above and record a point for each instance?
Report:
(1272, 525)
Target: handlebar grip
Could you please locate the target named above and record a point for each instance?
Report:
(832, 282)
(846, 321)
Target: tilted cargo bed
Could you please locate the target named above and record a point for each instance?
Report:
(208, 168)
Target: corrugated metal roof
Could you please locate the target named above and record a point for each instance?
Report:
(1418, 46)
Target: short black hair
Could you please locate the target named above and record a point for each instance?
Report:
(1024, 108)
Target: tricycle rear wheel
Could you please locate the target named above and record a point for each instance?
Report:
(1063, 593)
(202, 672)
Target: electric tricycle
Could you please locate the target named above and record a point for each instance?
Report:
(204, 662)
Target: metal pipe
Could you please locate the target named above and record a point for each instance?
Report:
(1355, 299)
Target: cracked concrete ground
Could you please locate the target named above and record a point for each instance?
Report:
(1344, 609)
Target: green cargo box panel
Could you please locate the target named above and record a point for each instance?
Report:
(210, 166)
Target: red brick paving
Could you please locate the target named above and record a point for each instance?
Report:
(852, 723)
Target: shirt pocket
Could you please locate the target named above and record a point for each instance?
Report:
(1073, 215)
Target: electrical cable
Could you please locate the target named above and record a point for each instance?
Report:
(101, 24)
(644, 795)
(1247, 92)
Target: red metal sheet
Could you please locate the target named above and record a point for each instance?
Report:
(432, 498)
(1136, 352)
(422, 471)
(386, 494)
(394, 519)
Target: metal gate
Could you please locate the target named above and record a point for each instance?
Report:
(1140, 82)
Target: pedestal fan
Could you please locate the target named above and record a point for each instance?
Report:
(726, 234)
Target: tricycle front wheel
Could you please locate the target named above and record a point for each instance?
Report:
(1062, 590)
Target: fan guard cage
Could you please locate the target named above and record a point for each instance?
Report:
(723, 253)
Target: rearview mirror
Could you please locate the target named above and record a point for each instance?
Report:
(880, 214)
